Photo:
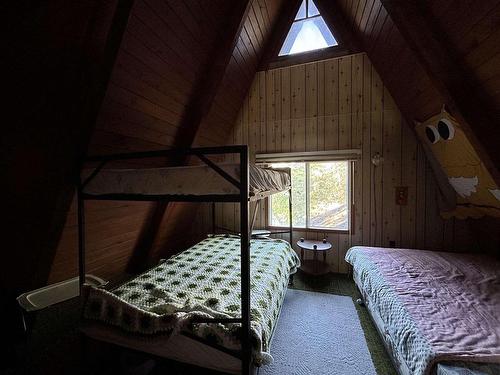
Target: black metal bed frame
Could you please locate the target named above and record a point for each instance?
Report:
(243, 198)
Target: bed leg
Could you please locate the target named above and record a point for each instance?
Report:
(290, 280)
(350, 271)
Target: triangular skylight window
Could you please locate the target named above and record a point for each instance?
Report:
(309, 31)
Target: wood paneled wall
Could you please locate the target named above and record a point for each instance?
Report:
(340, 104)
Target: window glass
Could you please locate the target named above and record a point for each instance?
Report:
(309, 37)
(279, 202)
(308, 32)
(329, 196)
(320, 196)
(302, 11)
(311, 9)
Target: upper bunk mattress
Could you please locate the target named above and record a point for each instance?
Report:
(431, 306)
(190, 180)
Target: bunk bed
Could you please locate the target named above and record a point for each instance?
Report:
(437, 313)
(170, 310)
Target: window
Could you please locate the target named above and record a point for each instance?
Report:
(320, 196)
(308, 32)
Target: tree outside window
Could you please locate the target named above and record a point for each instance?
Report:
(320, 195)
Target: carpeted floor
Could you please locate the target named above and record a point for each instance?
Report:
(341, 284)
(320, 334)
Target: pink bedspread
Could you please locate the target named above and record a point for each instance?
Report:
(453, 299)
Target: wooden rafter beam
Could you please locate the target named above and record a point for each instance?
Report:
(333, 16)
(286, 16)
(211, 77)
(463, 97)
(198, 107)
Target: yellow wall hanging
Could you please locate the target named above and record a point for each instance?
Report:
(477, 192)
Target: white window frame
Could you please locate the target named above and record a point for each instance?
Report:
(350, 197)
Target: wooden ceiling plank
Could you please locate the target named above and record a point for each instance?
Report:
(464, 15)
(127, 81)
(253, 30)
(488, 68)
(245, 54)
(366, 16)
(135, 101)
(484, 51)
(405, 58)
(171, 83)
(380, 44)
(383, 22)
(152, 24)
(240, 61)
(393, 46)
(192, 22)
(354, 10)
(492, 86)
(261, 23)
(161, 48)
(481, 31)
(453, 81)
(178, 27)
(249, 41)
(113, 108)
(442, 7)
(359, 14)
(372, 19)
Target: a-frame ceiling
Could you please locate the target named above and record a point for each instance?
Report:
(183, 69)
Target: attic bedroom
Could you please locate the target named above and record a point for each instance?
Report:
(251, 187)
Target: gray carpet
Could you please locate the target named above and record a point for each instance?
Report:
(318, 334)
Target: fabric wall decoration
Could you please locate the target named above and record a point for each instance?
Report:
(476, 192)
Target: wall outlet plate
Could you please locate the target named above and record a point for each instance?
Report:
(401, 195)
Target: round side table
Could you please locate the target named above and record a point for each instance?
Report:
(314, 266)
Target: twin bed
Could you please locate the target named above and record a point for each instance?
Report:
(214, 305)
(164, 311)
(437, 313)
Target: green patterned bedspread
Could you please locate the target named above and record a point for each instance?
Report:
(203, 281)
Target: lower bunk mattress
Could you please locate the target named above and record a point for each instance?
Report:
(201, 282)
(438, 313)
